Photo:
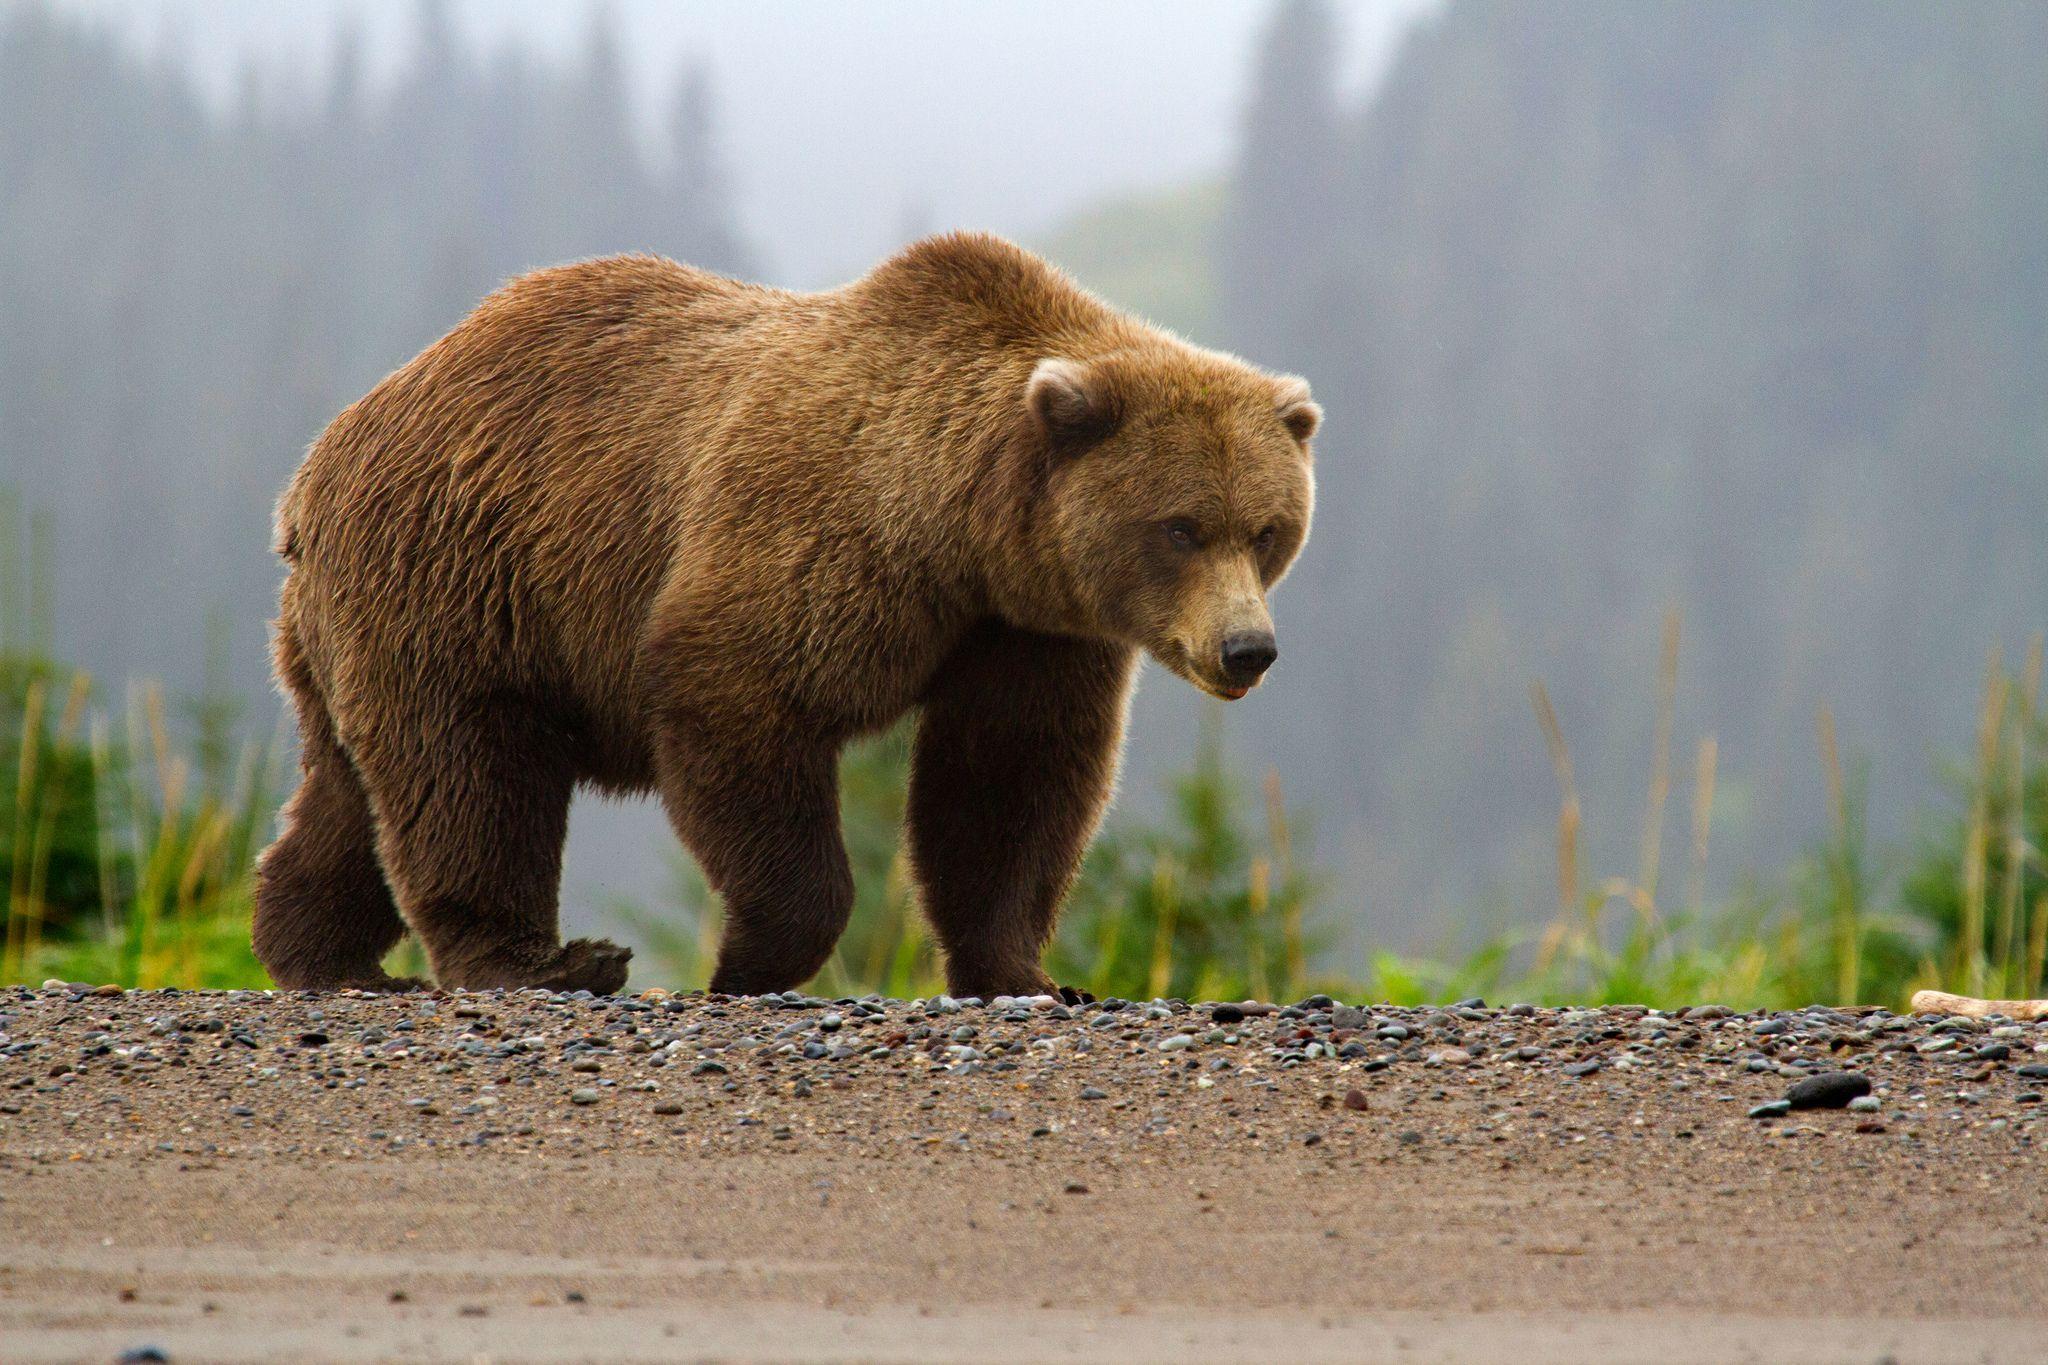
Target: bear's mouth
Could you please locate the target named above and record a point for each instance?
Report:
(1223, 691)
(1180, 660)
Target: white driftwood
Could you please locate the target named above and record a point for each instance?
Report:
(1941, 1002)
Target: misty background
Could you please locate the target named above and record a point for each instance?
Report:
(1738, 309)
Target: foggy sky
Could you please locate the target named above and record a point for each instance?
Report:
(845, 124)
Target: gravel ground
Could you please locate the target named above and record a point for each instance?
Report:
(247, 1175)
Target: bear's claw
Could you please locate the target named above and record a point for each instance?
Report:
(587, 964)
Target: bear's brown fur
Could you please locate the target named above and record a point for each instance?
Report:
(637, 526)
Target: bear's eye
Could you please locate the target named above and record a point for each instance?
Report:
(1184, 534)
(1263, 542)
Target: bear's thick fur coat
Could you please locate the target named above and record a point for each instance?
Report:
(641, 527)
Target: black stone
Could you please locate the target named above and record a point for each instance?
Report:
(1828, 1090)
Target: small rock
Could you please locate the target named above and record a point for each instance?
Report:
(1586, 1068)
(668, 1107)
(1828, 1090)
(1355, 1099)
(1089, 1092)
(1865, 1104)
(585, 1096)
(1771, 1109)
(1227, 1014)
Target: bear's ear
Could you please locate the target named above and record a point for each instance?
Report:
(1299, 413)
(1071, 400)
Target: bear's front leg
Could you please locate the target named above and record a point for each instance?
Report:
(1015, 757)
(762, 820)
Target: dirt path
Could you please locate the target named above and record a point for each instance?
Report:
(233, 1177)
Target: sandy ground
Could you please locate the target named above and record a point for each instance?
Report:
(244, 1177)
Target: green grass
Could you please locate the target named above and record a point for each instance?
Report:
(170, 891)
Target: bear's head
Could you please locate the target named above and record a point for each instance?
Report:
(1173, 489)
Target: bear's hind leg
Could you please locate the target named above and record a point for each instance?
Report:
(471, 821)
(324, 917)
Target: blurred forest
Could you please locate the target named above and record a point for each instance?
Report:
(1737, 308)
(189, 299)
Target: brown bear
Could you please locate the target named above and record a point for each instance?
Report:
(641, 527)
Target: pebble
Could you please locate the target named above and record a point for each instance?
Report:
(1828, 1090)
(505, 1072)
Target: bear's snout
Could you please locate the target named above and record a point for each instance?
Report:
(1247, 654)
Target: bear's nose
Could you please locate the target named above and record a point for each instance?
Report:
(1248, 654)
